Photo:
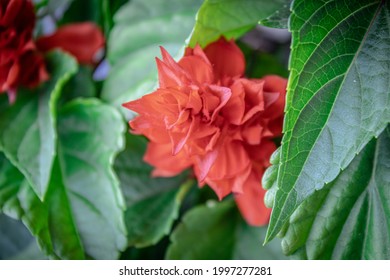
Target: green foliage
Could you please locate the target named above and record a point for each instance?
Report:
(16, 242)
(230, 18)
(82, 213)
(338, 97)
(350, 217)
(279, 19)
(152, 203)
(80, 85)
(90, 136)
(73, 184)
(98, 11)
(216, 231)
(27, 128)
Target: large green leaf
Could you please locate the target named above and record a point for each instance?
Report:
(349, 218)
(152, 203)
(51, 222)
(80, 85)
(338, 95)
(140, 28)
(18, 200)
(279, 19)
(82, 215)
(27, 128)
(83, 10)
(16, 243)
(230, 18)
(90, 135)
(217, 231)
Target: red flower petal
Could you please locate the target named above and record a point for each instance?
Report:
(226, 58)
(251, 201)
(166, 165)
(275, 112)
(218, 122)
(20, 63)
(32, 69)
(275, 84)
(231, 161)
(83, 40)
(198, 67)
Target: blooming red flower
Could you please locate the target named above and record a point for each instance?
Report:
(83, 40)
(20, 63)
(207, 116)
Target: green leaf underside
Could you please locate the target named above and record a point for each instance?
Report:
(27, 128)
(18, 200)
(140, 28)
(16, 242)
(90, 136)
(14, 237)
(151, 219)
(230, 18)
(279, 19)
(82, 214)
(338, 95)
(349, 218)
(80, 85)
(152, 203)
(217, 231)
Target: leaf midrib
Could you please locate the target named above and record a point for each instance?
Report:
(273, 233)
(315, 49)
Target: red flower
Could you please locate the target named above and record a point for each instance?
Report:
(20, 63)
(206, 115)
(83, 40)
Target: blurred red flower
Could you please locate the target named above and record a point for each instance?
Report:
(84, 41)
(206, 115)
(20, 63)
(21, 59)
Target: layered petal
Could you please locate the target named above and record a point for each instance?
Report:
(226, 58)
(17, 21)
(198, 67)
(166, 165)
(32, 69)
(20, 63)
(275, 112)
(247, 100)
(251, 201)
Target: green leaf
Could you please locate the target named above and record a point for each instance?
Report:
(82, 214)
(90, 135)
(83, 10)
(338, 95)
(269, 179)
(279, 19)
(216, 231)
(16, 242)
(350, 217)
(55, 8)
(151, 219)
(140, 28)
(80, 85)
(152, 203)
(51, 221)
(256, 60)
(230, 18)
(27, 128)
(18, 200)
(109, 8)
